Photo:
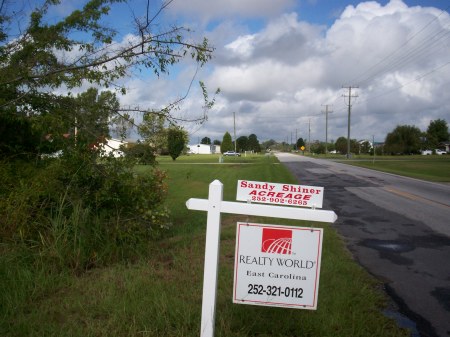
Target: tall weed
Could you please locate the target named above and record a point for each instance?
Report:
(22, 281)
(78, 194)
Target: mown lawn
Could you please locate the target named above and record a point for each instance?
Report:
(431, 168)
(159, 294)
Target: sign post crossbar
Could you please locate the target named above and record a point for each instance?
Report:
(215, 205)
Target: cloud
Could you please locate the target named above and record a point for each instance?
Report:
(207, 10)
(287, 69)
(277, 75)
(285, 39)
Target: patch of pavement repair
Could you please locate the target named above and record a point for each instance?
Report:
(389, 249)
(388, 245)
(319, 171)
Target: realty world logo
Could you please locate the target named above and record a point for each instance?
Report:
(277, 241)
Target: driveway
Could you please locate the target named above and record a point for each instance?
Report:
(397, 228)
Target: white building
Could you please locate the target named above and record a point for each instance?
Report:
(203, 149)
(113, 146)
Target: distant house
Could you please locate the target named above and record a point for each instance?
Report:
(113, 146)
(203, 149)
(444, 146)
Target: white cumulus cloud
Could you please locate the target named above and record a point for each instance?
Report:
(277, 75)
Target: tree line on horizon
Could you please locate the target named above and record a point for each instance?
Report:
(243, 143)
(403, 139)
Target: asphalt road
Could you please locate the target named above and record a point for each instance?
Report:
(397, 228)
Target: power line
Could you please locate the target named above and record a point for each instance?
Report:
(405, 59)
(408, 83)
(425, 45)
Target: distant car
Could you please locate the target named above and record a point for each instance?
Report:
(426, 152)
(439, 152)
(232, 153)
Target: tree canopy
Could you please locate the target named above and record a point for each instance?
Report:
(437, 132)
(206, 140)
(242, 143)
(253, 143)
(404, 139)
(341, 145)
(153, 131)
(227, 143)
(176, 141)
(300, 143)
(47, 62)
(47, 56)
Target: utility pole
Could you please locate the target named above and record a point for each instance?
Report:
(296, 139)
(326, 126)
(373, 147)
(309, 135)
(349, 105)
(234, 127)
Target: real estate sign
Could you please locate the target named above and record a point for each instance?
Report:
(281, 194)
(277, 265)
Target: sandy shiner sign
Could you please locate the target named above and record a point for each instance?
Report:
(280, 194)
(277, 265)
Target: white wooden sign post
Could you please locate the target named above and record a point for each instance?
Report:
(215, 205)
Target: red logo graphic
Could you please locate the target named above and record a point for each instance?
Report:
(278, 241)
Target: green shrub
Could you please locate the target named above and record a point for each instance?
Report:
(143, 153)
(80, 211)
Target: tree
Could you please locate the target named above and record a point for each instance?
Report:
(216, 142)
(253, 143)
(92, 114)
(143, 153)
(17, 136)
(176, 141)
(153, 132)
(341, 145)
(404, 139)
(318, 147)
(365, 147)
(437, 132)
(42, 58)
(268, 144)
(300, 143)
(227, 143)
(242, 143)
(205, 140)
(47, 54)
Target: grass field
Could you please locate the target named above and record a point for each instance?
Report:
(431, 168)
(159, 294)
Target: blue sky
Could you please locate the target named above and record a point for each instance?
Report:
(278, 62)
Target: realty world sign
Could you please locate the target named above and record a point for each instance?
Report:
(281, 194)
(277, 265)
